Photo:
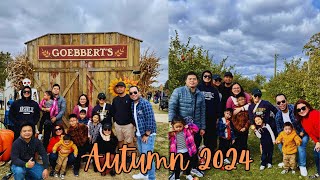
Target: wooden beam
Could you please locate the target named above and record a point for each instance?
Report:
(69, 85)
(94, 83)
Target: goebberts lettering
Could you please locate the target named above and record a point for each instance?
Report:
(144, 161)
(85, 52)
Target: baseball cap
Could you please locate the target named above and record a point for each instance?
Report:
(121, 84)
(107, 126)
(256, 91)
(102, 96)
(228, 74)
(216, 76)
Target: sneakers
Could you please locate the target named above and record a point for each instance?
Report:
(172, 175)
(75, 172)
(226, 161)
(293, 172)
(303, 171)
(56, 175)
(315, 176)
(280, 165)
(112, 172)
(140, 176)
(189, 177)
(269, 165)
(285, 171)
(262, 168)
(196, 172)
(61, 176)
(51, 173)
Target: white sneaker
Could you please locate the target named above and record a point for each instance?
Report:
(189, 177)
(172, 175)
(197, 173)
(61, 176)
(140, 176)
(303, 171)
(293, 172)
(280, 165)
(262, 168)
(56, 175)
(226, 161)
(269, 165)
(285, 171)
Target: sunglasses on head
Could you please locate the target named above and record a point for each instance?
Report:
(206, 76)
(24, 92)
(279, 102)
(303, 108)
(135, 92)
(58, 129)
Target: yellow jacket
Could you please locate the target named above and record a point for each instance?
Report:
(64, 146)
(290, 142)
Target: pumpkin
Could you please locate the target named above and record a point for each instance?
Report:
(6, 140)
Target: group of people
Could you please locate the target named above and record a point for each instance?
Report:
(214, 109)
(130, 114)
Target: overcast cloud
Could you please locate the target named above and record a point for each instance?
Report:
(249, 32)
(147, 20)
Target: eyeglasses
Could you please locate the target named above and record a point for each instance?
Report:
(279, 102)
(59, 129)
(135, 92)
(303, 108)
(256, 95)
(25, 92)
(205, 76)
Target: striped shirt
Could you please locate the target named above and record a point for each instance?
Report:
(181, 143)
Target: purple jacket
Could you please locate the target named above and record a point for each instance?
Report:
(188, 135)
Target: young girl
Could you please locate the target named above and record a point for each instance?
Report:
(182, 141)
(107, 143)
(49, 107)
(94, 127)
(264, 132)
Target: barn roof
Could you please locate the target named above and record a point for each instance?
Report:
(82, 33)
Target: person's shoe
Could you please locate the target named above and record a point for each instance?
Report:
(172, 175)
(280, 165)
(303, 171)
(140, 176)
(56, 175)
(285, 171)
(196, 172)
(112, 172)
(75, 172)
(262, 168)
(269, 165)
(189, 177)
(293, 172)
(61, 176)
(315, 176)
(51, 173)
(226, 161)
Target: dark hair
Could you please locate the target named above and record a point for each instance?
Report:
(54, 130)
(288, 124)
(83, 111)
(73, 116)
(56, 85)
(87, 103)
(134, 87)
(50, 94)
(191, 73)
(260, 116)
(178, 119)
(229, 109)
(301, 101)
(96, 114)
(241, 88)
(27, 124)
(280, 94)
(241, 94)
(67, 137)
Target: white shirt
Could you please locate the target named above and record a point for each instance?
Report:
(135, 118)
(285, 117)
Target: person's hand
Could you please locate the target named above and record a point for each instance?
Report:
(53, 119)
(317, 147)
(274, 142)
(186, 126)
(65, 151)
(202, 131)
(243, 129)
(277, 142)
(45, 174)
(237, 110)
(233, 141)
(145, 139)
(301, 134)
(75, 156)
(253, 127)
(30, 163)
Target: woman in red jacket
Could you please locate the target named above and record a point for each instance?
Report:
(310, 121)
(57, 131)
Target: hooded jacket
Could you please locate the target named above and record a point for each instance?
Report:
(24, 110)
(211, 95)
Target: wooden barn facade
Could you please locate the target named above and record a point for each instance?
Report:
(82, 63)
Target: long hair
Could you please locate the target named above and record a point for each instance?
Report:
(54, 131)
(301, 101)
(87, 103)
(241, 89)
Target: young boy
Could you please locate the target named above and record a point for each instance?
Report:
(225, 133)
(64, 144)
(83, 117)
(290, 140)
(79, 135)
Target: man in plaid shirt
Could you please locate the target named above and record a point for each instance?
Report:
(146, 128)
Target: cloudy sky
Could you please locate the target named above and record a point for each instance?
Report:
(249, 32)
(147, 20)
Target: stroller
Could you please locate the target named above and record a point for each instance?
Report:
(164, 103)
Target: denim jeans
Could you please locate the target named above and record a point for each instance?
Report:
(54, 156)
(317, 160)
(21, 173)
(144, 148)
(302, 154)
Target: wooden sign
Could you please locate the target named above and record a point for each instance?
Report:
(85, 52)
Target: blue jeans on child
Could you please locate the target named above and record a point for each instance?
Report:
(317, 160)
(302, 154)
(21, 173)
(144, 148)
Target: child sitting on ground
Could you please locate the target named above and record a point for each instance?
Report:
(267, 140)
(182, 141)
(65, 144)
(290, 142)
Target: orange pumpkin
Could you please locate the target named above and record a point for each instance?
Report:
(6, 140)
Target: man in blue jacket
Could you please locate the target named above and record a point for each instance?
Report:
(146, 126)
(188, 101)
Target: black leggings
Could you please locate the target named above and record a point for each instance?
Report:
(177, 168)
